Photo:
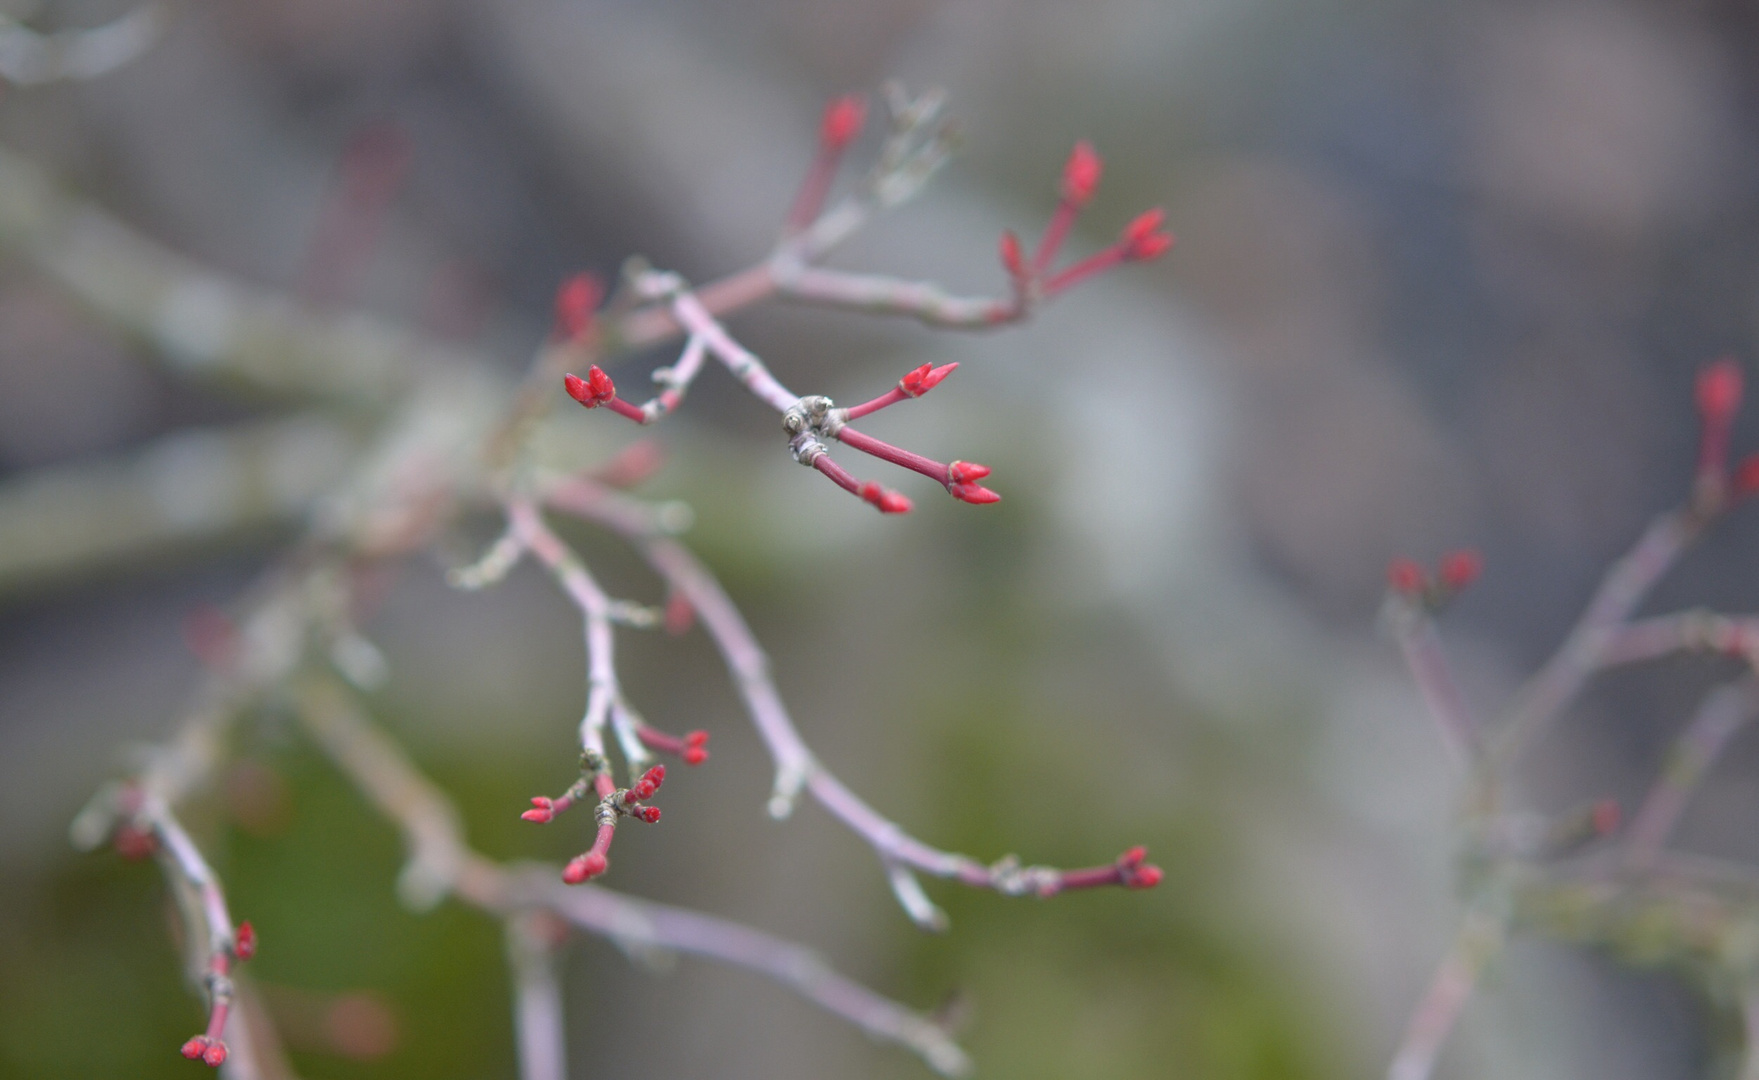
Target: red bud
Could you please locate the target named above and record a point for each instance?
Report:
(649, 814)
(215, 1055)
(973, 493)
(244, 944)
(576, 300)
(1012, 260)
(1719, 390)
(1081, 174)
(843, 121)
(590, 865)
(1144, 877)
(193, 1048)
(1405, 577)
(1460, 569)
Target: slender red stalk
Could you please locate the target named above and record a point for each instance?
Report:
(843, 120)
(888, 502)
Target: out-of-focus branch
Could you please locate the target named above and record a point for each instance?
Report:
(1479, 939)
(207, 323)
(538, 1025)
(1724, 712)
(29, 58)
(182, 489)
(1624, 587)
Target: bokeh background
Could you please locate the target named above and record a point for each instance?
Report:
(1444, 274)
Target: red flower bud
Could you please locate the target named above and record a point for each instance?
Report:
(1012, 260)
(889, 502)
(1144, 877)
(1143, 238)
(135, 844)
(244, 943)
(194, 1048)
(1719, 390)
(576, 301)
(592, 391)
(649, 814)
(1081, 174)
(964, 472)
(1405, 577)
(680, 615)
(694, 755)
(543, 809)
(1745, 483)
(1460, 569)
(843, 121)
(1133, 857)
(582, 867)
(925, 378)
(973, 493)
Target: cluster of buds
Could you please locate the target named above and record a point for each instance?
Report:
(1455, 573)
(613, 802)
(208, 1047)
(1144, 238)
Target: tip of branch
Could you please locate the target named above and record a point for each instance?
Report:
(695, 748)
(923, 379)
(889, 502)
(1013, 261)
(244, 942)
(843, 120)
(1718, 392)
(594, 390)
(1459, 569)
(576, 300)
(1134, 873)
(1405, 577)
(1144, 239)
(582, 867)
(976, 494)
(1081, 174)
(210, 1052)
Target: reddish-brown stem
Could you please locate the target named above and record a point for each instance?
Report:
(1054, 232)
(885, 451)
(1427, 661)
(1097, 263)
(890, 397)
(888, 502)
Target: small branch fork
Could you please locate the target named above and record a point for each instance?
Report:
(797, 769)
(916, 148)
(1607, 634)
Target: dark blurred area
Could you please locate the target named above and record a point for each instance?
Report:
(1444, 275)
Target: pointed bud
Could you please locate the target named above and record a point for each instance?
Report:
(1143, 238)
(1133, 857)
(1144, 877)
(1081, 174)
(543, 810)
(244, 943)
(964, 472)
(1405, 577)
(1719, 391)
(889, 502)
(649, 814)
(843, 120)
(694, 755)
(976, 494)
(582, 867)
(1745, 482)
(1459, 569)
(923, 379)
(576, 300)
(592, 391)
(1012, 260)
(680, 615)
(194, 1048)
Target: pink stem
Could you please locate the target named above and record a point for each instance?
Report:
(890, 397)
(885, 451)
(1086, 268)
(1054, 232)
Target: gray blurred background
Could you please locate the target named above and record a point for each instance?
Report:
(1444, 273)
